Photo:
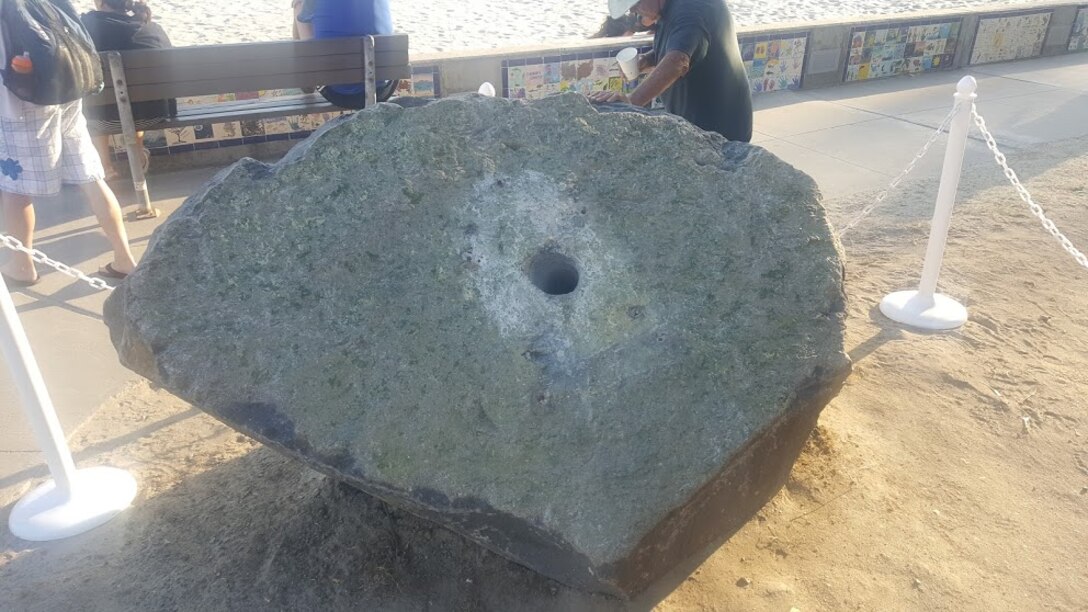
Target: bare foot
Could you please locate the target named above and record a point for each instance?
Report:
(21, 271)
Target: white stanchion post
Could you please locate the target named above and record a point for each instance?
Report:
(74, 501)
(925, 308)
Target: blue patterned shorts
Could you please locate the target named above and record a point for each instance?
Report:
(47, 147)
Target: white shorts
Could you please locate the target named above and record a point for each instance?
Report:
(45, 148)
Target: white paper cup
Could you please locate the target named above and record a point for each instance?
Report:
(628, 59)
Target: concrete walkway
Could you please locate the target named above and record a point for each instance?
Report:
(851, 139)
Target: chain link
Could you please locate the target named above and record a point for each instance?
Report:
(1036, 210)
(15, 244)
(902, 175)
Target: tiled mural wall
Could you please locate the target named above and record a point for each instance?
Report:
(1010, 37)
(891, 49)
(1078, 41)
(536, 77)
(774, 62)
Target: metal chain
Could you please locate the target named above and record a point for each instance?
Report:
(16, 245)
(902, 175)
(1036, 210)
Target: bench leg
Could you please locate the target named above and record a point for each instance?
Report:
(370, 74)
(144, 209)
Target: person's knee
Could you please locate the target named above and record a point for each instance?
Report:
(16, 200)
(96, 190)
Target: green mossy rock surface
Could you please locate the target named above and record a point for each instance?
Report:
(367, 305)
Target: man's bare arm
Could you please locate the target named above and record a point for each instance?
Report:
(669, 70)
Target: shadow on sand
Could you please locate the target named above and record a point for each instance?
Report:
(262, 532)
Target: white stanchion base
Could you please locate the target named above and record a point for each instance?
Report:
(939, 313)
(98, 495)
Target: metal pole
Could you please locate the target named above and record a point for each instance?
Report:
(35, 398)
(144, 210)
(370, 72)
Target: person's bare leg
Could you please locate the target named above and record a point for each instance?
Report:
(102, 145)
(146, 155)
(108, 211)
(19, 222)
(300, 30)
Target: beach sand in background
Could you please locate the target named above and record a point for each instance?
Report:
(445, 25)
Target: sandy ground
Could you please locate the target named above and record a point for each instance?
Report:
(950, 474)
(443, 25)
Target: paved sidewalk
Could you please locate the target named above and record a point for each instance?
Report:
(854, 138)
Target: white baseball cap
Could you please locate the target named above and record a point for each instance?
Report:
(619, 8)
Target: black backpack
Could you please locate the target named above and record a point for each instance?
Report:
(66, 66)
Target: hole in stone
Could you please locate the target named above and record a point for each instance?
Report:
(553, 273)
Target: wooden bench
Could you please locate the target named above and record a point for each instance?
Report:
(158, 74)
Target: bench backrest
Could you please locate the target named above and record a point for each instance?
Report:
(156, 74)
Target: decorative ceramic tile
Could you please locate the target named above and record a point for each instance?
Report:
(198, 100)
(154, 139)
(203, 132)
(277, 125)
(1079, 40)
(268, 94)
(227, 131)
(534, 78)
(247, 95)
(251, 129)
(892, 49)
(774, 62)
(424, 83)
(1010, 37)
(178, 136)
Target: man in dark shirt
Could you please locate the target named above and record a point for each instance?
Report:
(696, 65)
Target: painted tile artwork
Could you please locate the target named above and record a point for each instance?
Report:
(424, 82)
(1079, 39)
(534, 78)
(774, 63)
(1010, 37)
(892, 49)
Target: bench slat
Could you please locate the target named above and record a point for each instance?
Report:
(183, 89)
(175, 72)
(248, 110)
(278, 50)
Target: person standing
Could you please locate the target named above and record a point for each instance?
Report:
(695, 66)
(41, 148)
(122, 25)
(321, 19)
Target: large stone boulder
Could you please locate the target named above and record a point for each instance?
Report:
(593, 342)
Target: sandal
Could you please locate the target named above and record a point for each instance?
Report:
(144, 214)
(108, 271)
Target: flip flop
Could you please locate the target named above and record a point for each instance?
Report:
(14, 282)
(142, 215)
(107, 271)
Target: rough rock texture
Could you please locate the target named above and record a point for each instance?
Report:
(593, 342)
